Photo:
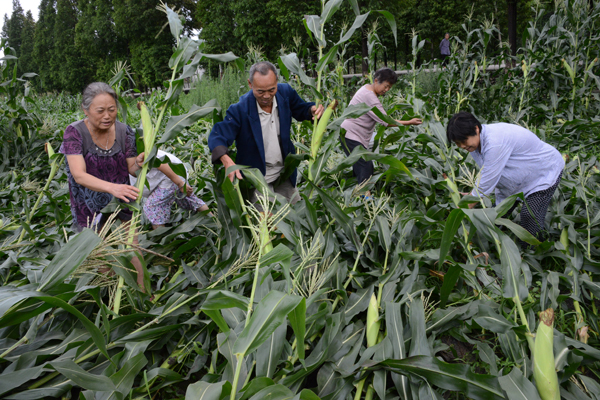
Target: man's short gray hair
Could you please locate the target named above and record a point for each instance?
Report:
(262, 68)
(94, 89)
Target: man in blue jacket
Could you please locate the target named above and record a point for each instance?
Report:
(260, 124)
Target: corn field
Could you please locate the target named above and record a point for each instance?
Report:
(411, 295)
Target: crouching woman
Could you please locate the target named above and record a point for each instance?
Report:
(512, 160)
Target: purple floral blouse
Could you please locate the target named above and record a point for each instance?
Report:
(109, 165)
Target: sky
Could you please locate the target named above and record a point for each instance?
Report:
(6, 8)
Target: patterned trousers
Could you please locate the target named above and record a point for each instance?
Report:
(538, 203)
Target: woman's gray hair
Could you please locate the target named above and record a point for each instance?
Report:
(262, 68)
(94, 89)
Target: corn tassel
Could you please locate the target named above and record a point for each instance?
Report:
(373, 322)
(544, 372)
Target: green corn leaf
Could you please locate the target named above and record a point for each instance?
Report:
(82, 378)
(292, 64)
(389, 17)
(219, 299)
(297, 320)
(358, 22)
(519, 231)
(454, 377)
(269, 314)
(450, 279)
(517, 387)
(453, 222)
(204, 391)
(68, 259)
(176, 124)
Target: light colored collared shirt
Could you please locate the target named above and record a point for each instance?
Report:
(269, 123)
(513, 160)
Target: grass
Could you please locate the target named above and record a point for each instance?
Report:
(226, 89)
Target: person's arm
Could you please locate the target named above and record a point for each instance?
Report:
(496, 158)
(302, 110)
(414, 121)
(134, 163)
(79, 172)
(222, 135)
(176, 179)
(134, 160)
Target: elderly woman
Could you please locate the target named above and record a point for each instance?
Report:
(359, 130)
(512, 160)
(101, 154)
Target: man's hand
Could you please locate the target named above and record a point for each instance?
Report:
(472, 205)
(415, 121)
(317, 111)
(228, 162)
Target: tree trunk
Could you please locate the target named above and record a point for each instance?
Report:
(512, 25)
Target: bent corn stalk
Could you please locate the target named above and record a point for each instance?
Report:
(54, 164)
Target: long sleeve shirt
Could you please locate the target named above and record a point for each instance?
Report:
(445, 47)
(361, 129)
(513, 160)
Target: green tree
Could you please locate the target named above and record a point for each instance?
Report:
(139, 26)
(43, 47)
(26, 58)
(15, 26)
(65, 61)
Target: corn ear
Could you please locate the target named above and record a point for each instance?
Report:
(372, 321)
(454, 193)
(147, 127)
(317, 136)
(265, 239)
(148, 144)
(569, 70)
(544, 372)
(564, 238)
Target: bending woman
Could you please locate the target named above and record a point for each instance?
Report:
(101, 154)
(512, 160)
(359, 130)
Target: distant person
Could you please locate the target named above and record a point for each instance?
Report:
(512, 160)
(360, 130)
(101, 155)
(260, 124)
(445, 49)
(166, 188)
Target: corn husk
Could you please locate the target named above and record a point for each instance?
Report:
(544, 372)
(373, 322)
(317, 137)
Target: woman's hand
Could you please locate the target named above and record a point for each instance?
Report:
(186, 189)
(125, 192)
(139, 160)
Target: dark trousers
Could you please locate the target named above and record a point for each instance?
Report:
(445, 59)
(362, 169)
(538, 202)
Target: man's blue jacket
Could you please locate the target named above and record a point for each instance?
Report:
(242, 125)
